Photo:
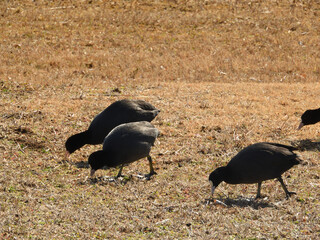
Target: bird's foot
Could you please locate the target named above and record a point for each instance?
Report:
(259, 197)
(108, 179)
(146, 176)
(288, 194)
(119, 175)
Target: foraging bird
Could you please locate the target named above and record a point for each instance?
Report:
(309, 117)
(122, 111)
(256, 163)
(125, 144)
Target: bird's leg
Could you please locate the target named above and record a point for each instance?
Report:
(152, 172)
(259, 191)
(119, 173)
(288, 194)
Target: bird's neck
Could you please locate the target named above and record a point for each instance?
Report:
(80, 139)
(229, 176)
(317, 116)
(108, 159)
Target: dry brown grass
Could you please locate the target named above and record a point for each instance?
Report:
(220, 41)
(225, 74)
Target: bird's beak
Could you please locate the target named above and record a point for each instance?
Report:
(67, 155)
(300, 125)
(92, 172)
(212, 188)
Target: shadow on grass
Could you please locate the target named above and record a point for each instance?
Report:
(106, 180)
(103, 180)
(306, 145)
(81, 164)
(30, 143)
(241, 202)
(246, 202)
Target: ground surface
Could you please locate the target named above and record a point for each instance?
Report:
(224, 74)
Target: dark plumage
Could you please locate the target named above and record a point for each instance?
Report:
(119, 112)
(256, 163)
(310, 117)
(125, 144)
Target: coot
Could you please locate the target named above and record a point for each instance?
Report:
(256, 163)
(310, 117)
(125, 144)
(122, 111)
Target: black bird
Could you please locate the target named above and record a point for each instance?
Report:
(125, 144)
(122, 111)
(309, 117)
(256, 163)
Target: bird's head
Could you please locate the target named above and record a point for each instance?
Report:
(97, 160)
(216, 177)
(309, 117)
(70, 145)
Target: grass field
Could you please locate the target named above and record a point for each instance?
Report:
(225, 74)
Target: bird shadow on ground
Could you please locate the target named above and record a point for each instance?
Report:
(246, 202)
(81, 164)
(306, 145)
(241, 202)
(106, 180)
